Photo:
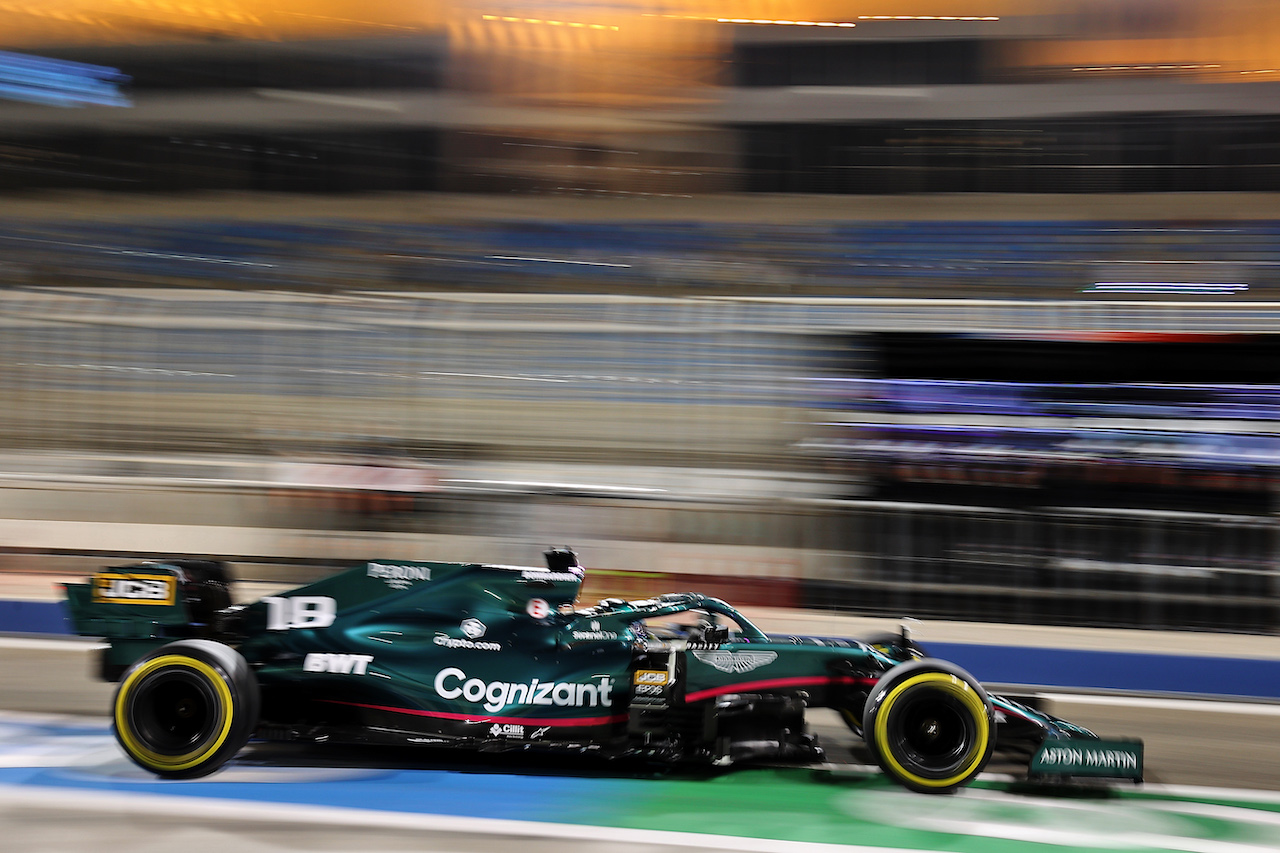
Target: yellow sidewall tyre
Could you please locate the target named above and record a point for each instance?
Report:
(185, 709)
(930, 726)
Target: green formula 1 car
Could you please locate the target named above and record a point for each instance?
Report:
(498, 657)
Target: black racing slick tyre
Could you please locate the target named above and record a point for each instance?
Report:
(929, 725)
(185, 709)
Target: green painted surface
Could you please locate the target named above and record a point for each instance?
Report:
(866, 809)
(846, 807)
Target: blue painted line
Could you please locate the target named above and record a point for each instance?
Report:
(34, 617)
(536, 795)
(461, 794)
(1103, 670)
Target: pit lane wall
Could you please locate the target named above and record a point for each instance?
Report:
(1012, 656)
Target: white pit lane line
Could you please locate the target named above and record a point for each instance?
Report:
(1085, 824)
(1200, 706)
(41, 644)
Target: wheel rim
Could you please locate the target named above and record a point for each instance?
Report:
(174, 714)
(174, 711)
(931, 730)
(932, 734)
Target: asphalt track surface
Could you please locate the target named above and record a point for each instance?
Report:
(1229, 745)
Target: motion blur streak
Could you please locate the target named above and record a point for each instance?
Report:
(59, 83)
(966, 310)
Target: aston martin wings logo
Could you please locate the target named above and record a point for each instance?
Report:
(736, 661)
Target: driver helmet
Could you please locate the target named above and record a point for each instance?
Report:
(564, 559)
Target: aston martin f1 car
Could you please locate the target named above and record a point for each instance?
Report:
(494, 657)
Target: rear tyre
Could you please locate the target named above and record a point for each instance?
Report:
(185, 709)
(929, 725)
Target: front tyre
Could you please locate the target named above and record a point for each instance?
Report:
(185, 709)
(930, 726)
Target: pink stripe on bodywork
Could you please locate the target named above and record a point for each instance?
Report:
(485, 718)
(773, 683)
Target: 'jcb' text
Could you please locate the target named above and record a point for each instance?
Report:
(122, 589)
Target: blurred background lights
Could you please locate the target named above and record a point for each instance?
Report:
(896, 305)
(57, 82)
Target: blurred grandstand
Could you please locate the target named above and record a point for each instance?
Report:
(639, 98)
(661, 256)
(1041, 408)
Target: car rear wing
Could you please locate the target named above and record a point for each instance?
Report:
(140, 607)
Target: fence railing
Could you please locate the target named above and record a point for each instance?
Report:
(627, 380)
(1075, 566)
